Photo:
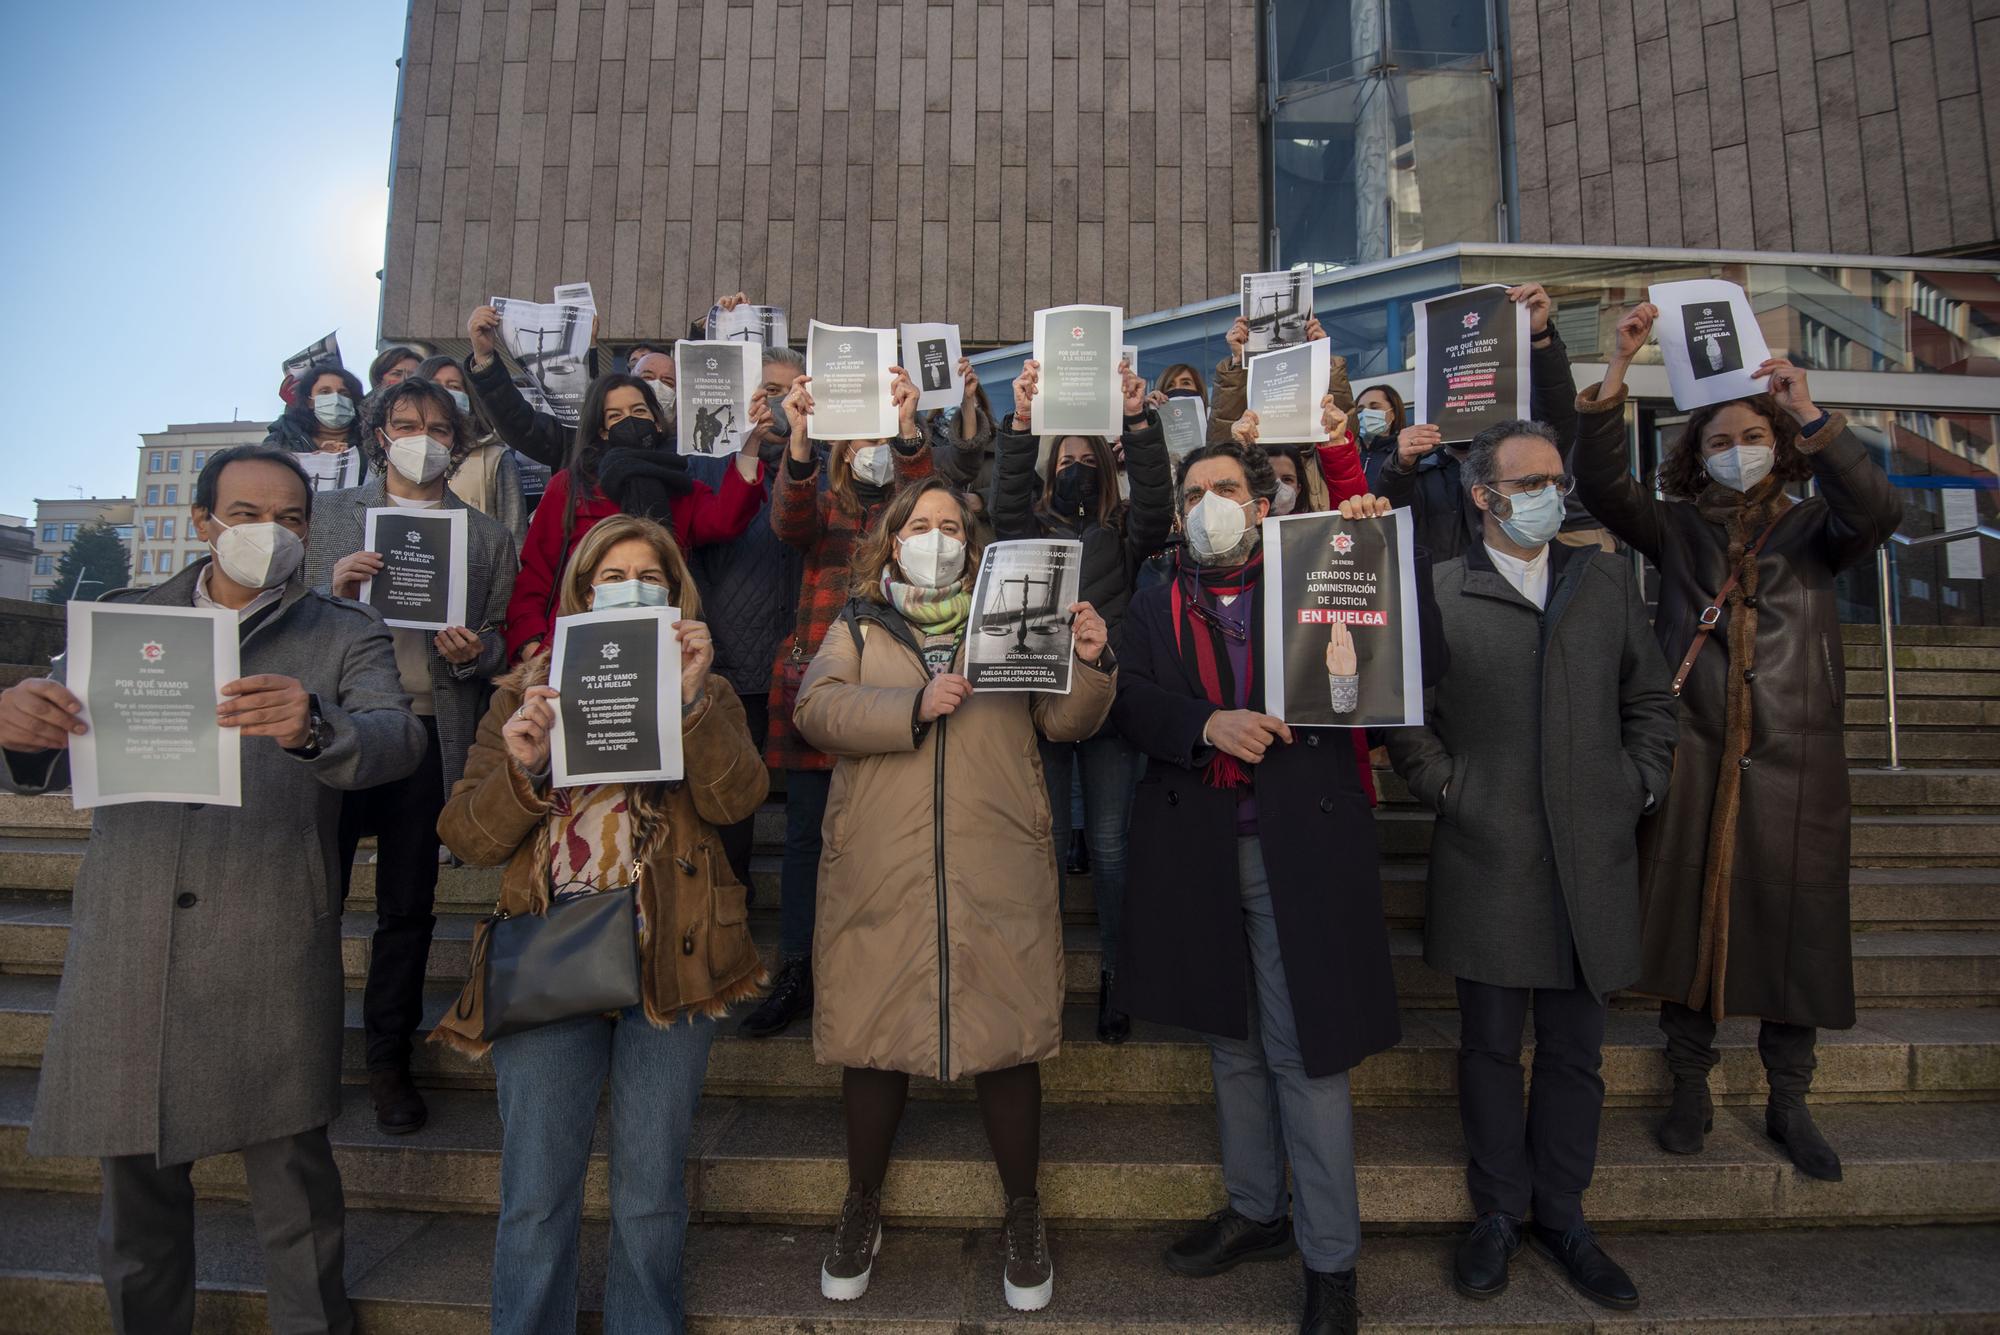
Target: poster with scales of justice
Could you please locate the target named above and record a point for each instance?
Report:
(1019, 637)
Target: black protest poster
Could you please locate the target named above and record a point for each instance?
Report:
(617, 678)
(1472, 361)
(1325, 575)
(1709, 334)
(422, 584)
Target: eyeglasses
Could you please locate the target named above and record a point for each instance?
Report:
(1564, 483)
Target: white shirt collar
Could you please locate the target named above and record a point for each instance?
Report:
(264, 598)
(411, 503)
(1530, 578)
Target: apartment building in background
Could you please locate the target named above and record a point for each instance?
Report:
(163, 542)
(56, 526)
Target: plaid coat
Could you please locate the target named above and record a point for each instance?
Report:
(805, 514)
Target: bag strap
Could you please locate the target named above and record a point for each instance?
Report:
(1712, 614)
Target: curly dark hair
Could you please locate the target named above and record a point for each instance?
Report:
(1252, 459)
(417, 388)
(1681, 473)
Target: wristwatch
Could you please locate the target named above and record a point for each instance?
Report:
(319, 729)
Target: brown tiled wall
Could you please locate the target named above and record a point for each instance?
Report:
(1856, 126)
(861, 163)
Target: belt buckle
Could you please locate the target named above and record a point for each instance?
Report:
(1709, 616)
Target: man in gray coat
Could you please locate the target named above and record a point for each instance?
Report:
(1550, 734)
(416, 440)
(201, 1000)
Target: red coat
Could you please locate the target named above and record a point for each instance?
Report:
(700, 516)
(1340, 465)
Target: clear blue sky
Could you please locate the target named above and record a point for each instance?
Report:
(194, 191)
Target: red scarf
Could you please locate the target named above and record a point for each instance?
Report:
(1205, 652)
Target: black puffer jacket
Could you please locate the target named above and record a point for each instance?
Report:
(749, 588)
(1111, 553)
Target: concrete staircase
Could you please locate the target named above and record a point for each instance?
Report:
(1733, 1239)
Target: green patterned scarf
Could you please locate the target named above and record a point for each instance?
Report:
(932, 611)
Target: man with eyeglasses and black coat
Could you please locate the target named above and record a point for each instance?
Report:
(1549, 735)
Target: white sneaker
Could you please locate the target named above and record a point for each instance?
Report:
(1030, 1277)
(857, 1240)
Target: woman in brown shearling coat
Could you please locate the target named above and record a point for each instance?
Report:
(939, 945)
(1744, 867)
(695, 954)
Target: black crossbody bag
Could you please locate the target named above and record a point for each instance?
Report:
(579, 958)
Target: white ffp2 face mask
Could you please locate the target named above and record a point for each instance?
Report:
(872, 464)
(1215, 527)
(931, 560)
(257, 556)
(1741, 467)
(419, 459)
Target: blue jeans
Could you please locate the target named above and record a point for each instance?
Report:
(1111, 768)
(549, 1082)
(798, 887)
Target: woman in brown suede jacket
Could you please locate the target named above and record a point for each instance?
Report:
(696, 955)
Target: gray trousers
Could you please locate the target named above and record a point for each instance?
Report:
(1270, 1110)
(145, 1239)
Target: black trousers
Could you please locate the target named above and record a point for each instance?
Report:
(145, 1238)
(737, 838)
(1788, 1050)
(1541, 1158)
(403, 817)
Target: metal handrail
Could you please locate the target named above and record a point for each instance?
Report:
(1885, 588)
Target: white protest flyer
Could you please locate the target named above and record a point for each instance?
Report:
(422, 584)
(1336, 586)
(325, 348)
(551, 343)
(1184, 423)
(1276, 306)
(1472, 361)
(1961, 511)
(1285, 387)
(150, 679)
(331, 470)
(762, 325)
(1710, 341)
(712, 387)
(849, 366)
(617, 676)
(1080, 393)
(576, 294)
(930, 355)
(1019, 638)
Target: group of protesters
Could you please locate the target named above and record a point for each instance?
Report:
(1599, 772)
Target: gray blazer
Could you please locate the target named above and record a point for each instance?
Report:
(1548, 736)
(339, 520)
(201, 999)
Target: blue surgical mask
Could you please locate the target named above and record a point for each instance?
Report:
(333, 410)
(627, 593)
(1537, 516)
(1372, 421)
(462, 399)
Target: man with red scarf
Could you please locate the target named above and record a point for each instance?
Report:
(1254, 904)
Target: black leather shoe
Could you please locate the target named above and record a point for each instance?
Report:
(1226, 1240)
(791, 996)
(1689, 1120)
(1591, 1273)
(1113, 1025)
(1787, 1122)
(1331, 1308)
(1479, 1266)
(399, 1108)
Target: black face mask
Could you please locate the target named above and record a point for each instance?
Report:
(1183, 393)
(633, 433)
(1076, 490)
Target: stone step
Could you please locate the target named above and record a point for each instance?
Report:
(1924, 712)
(1967, 791)
(412, 1273)
(1890, 1055)
(1871, 633)
(1898, 968)
(1865, 682)
(754, 1160)
(1926, 657)
(1917, 747)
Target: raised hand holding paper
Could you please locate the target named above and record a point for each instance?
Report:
(576, 294)
(422, 584)
(763, 326)
(849, 367)
(1710, 341)
(551, 342)
(1184, 423)
(1079, 393)
(1277, 306)
(930, 355)
(1019, 638)
(618, 716)
(150, 679)
(712, 387)
(325, 348)
(1322, 571)
(1472, 361)
(1284, 390)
